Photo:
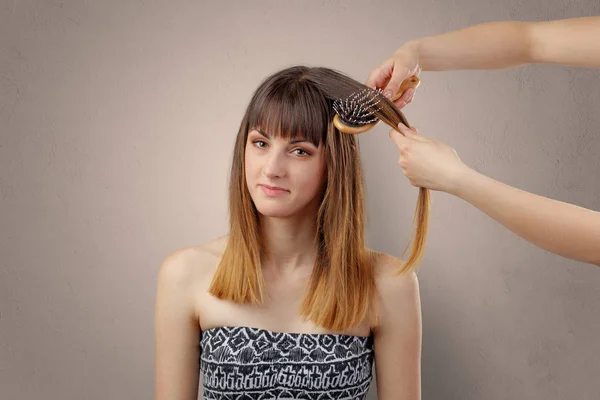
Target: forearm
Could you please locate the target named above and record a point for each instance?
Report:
(492, 45)
(505, 44)
(565, 229)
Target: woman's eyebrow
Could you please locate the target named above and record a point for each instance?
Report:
(265, 134)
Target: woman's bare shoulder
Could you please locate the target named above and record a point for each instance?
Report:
(189, 265)
(398, 294)
(387, 278)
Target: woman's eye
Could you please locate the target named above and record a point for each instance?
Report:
(301, 152)
(260, 143)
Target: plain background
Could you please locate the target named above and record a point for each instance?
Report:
(117, 121)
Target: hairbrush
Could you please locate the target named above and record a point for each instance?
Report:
(357, 113)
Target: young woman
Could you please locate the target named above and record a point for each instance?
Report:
(291, 304)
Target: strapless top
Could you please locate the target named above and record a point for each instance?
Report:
(252, 363)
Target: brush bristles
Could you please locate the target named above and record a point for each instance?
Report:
(359, 108)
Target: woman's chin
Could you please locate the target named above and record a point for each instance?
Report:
(273, 212)
(276, 209)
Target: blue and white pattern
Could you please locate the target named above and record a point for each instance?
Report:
(256, 364)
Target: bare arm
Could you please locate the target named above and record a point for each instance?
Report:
(567, 230)
(398, 336)
(496, 45)
(492, 45)
(177, 333)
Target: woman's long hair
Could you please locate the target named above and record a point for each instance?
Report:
(297, 102)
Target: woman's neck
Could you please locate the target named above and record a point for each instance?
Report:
(289, 243)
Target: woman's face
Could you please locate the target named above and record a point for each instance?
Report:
(285, 177)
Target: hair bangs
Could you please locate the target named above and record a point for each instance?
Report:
(291, 110)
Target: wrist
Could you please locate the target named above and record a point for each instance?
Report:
(413, 47)
(420, 49)
(460, 180)
(409, 53)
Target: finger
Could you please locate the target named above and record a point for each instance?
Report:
(418, 137)
(405, 130)
(411, 133)
(399, 74)
(414, 135)
(373, 77)
(400, 140)
(407, 96)
(400, 104)
(380, 75)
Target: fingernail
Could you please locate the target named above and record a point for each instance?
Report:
(387, 94)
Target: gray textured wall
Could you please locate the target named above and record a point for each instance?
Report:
(117, 121)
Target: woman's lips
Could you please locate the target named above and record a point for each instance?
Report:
(273, 191)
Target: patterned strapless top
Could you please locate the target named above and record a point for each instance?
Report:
(251, 363)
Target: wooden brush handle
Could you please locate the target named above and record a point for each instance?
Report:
(410, 82)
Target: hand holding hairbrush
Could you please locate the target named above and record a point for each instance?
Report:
(361, 111)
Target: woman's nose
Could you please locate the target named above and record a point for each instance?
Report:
(274, 166)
